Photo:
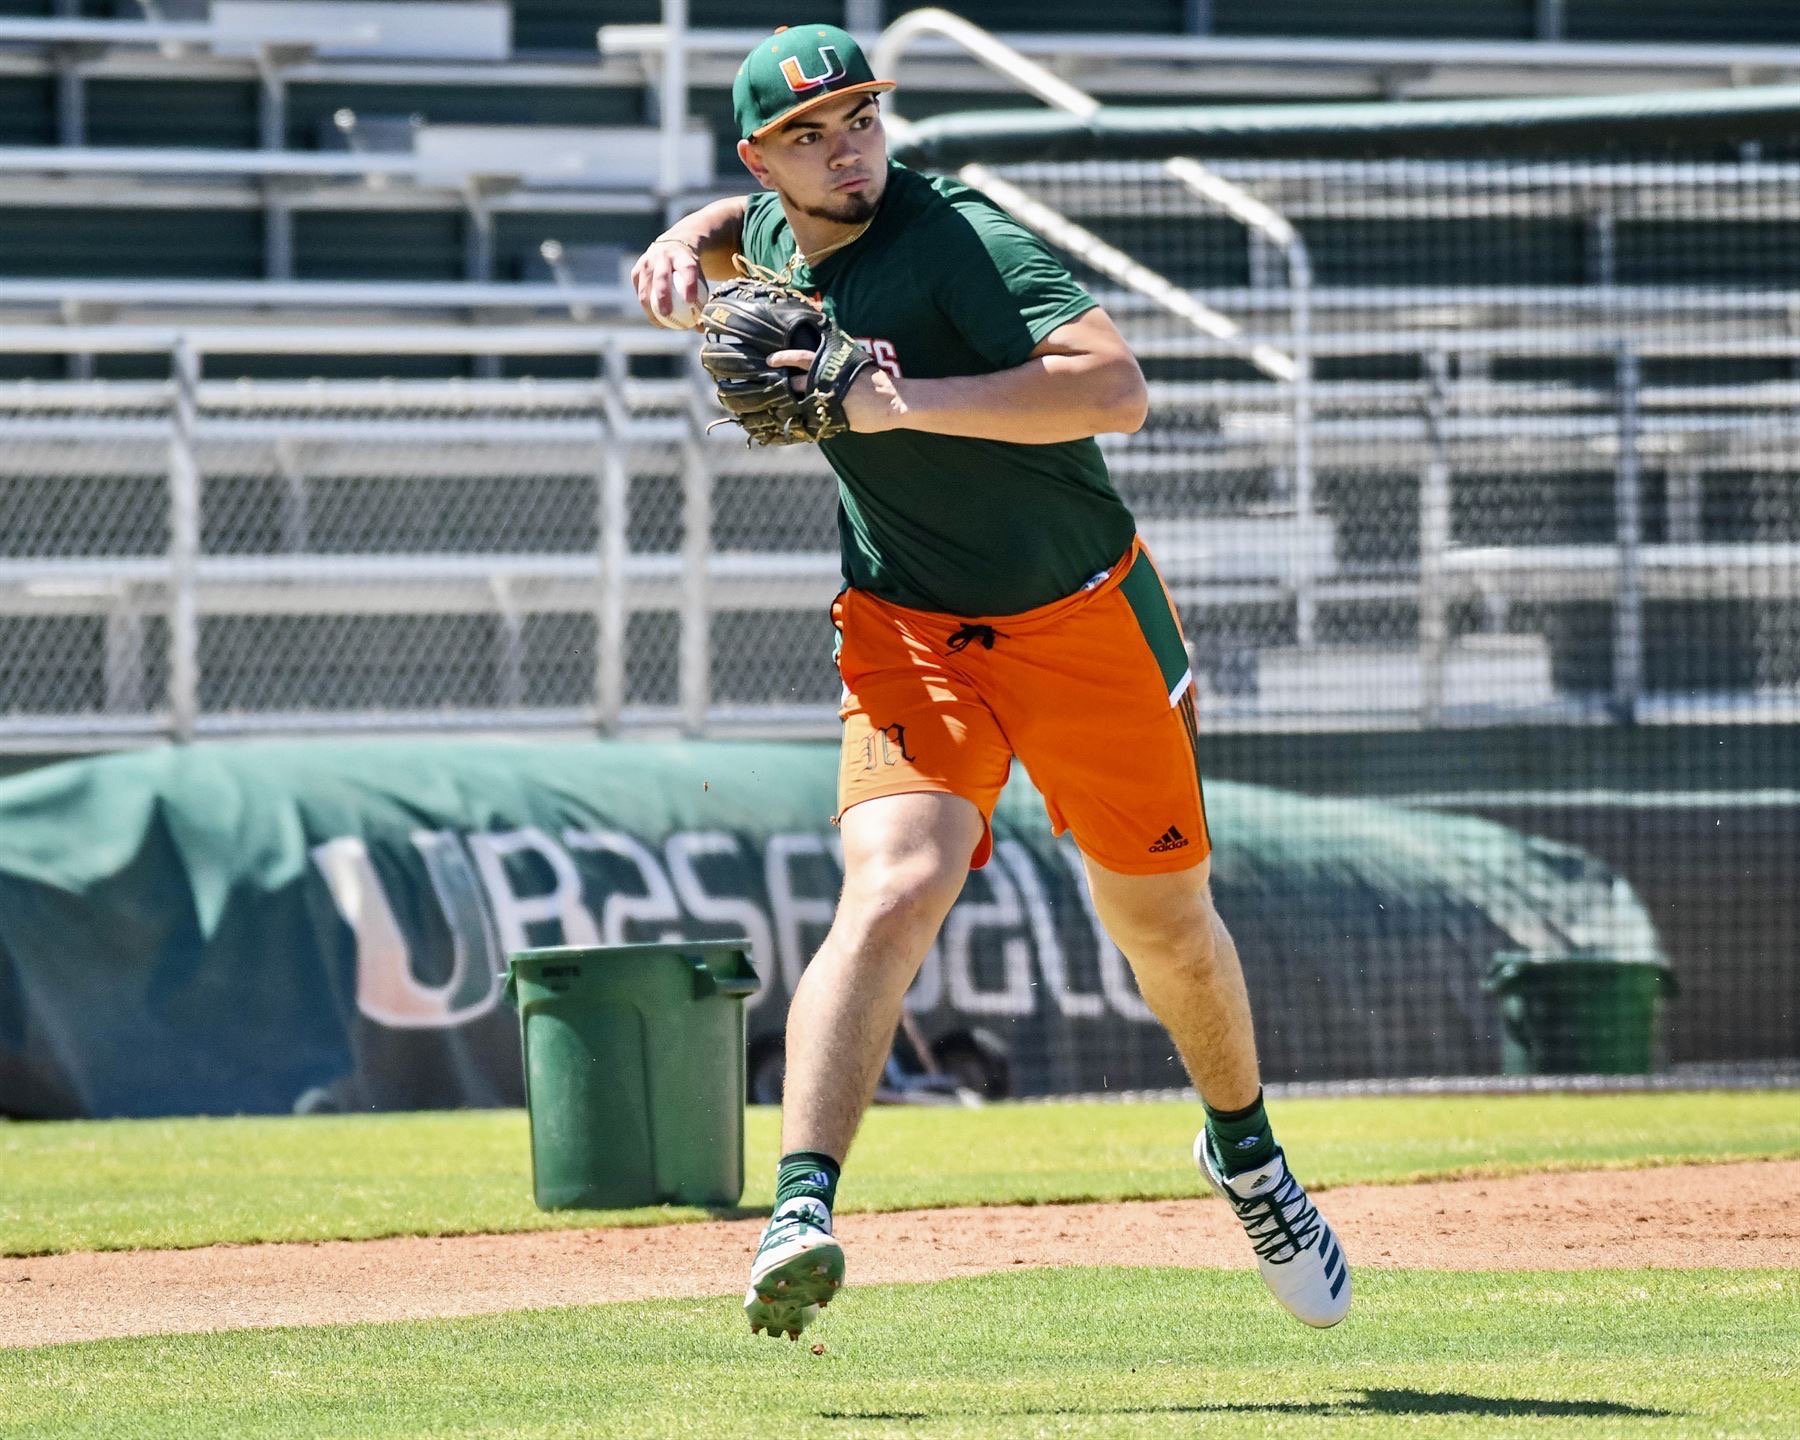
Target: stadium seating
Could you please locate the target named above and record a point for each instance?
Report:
(390, 549)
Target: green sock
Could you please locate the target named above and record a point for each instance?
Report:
(1241, 1138)
(806, 1172)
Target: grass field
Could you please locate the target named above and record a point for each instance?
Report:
(102, 1185)
(1088, 1353)
(1074, 1352)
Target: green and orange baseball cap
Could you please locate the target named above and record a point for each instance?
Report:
(796, 68)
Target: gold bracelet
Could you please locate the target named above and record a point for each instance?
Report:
(691, 248)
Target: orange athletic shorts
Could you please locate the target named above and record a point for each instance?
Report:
(1092, 692)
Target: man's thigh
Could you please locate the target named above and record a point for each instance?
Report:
(907, 855)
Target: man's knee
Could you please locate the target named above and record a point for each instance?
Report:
(905, 860)
(902, 891)
(1165, 918)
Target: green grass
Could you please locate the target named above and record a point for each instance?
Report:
(1654, 1354)
(127, 1184)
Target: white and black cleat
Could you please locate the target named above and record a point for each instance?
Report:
(1300, 1256)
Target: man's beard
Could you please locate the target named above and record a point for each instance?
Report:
(851, 209)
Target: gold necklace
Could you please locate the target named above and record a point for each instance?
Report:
(802, 258)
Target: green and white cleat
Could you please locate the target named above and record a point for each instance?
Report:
(797, 1270)
(1297, 1251)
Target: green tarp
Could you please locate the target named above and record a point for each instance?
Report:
(265, 927)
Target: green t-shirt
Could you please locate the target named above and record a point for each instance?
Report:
(945, 283)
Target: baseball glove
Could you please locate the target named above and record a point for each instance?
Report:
(746, 321)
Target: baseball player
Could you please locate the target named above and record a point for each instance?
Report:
(996, 603)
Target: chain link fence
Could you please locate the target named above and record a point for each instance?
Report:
(1477, 496)
(1536, 462)
(1539, 461)
(555, 554)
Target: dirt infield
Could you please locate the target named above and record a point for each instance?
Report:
(1739, 1216)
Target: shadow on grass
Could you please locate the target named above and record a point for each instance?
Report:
(875, 1415)
(1370, 1402)
(1448, 1402)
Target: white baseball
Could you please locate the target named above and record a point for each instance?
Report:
(683, 314)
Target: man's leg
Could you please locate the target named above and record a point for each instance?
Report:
(906, 857)
(1188, 972)
(905, 860)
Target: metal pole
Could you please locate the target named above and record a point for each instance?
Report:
(124, 658)
(610, 613)
(71, 95)
(77, 364)
(478, 240)
(674, 100)
(71, 100)
(509, 655)
(1601, 247)
(296, 503)
(1685, 504)
(271, 134)
(1434, 540)
(271, 105)
(184, 545)
(278, 234)
(1306, 607)
(478, 259)
(696, 551)
(1628, 604)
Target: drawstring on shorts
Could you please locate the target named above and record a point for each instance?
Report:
(966, 636)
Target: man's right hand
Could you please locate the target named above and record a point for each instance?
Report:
(669, 283)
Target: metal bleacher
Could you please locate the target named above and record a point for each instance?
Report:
(391, 145)
(360, 428)
(266, 144)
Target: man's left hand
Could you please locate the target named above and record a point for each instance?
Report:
(872, 404)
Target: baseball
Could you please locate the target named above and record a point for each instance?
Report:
(684, 314)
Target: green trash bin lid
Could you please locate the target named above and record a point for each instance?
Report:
(719, 967)
(1510, 969)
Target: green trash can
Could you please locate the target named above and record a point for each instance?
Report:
(1580, 1012)
(634, 1072)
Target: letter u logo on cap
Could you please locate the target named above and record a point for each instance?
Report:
(800, 82)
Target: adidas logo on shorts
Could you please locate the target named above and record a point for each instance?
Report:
(1170, 839)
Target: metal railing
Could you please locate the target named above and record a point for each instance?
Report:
(1289, 65)
(257, 504)
(1290, 365)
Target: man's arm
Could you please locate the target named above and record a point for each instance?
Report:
(1081, 380)
(700, 244)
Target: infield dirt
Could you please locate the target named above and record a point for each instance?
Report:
(1725, 1216)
